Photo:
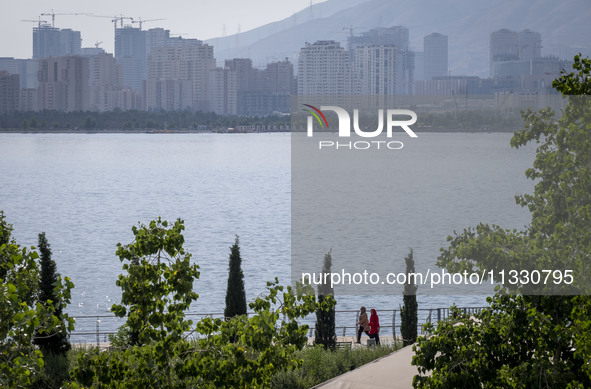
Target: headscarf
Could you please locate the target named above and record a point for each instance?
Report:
(374, 322)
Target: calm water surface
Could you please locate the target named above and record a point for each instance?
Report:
(86, 192)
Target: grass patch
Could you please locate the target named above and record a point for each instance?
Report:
(321, 365)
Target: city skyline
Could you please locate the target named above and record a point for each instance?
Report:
(232, 17)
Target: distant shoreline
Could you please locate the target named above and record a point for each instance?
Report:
(189, 131)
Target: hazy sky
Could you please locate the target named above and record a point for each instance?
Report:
(190, 18)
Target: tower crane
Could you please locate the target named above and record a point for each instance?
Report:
(53, 15)
(141, 21)
(120, 19)
(351, 28)
(114, 19)
(39, 21)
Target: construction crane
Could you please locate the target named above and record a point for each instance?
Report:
(140, 21)
(114, 19)
(39, 21)
(53, 15)
(120, 19)
(351, 28)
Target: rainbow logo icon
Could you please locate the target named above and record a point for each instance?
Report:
(314, 112)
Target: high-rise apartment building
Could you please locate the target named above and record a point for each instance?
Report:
(278, 77)
(530, 45)
(29, 100)
(9, 92)
(165, 89)
(223, 86)
(397, 36)
(54, 42)
(178, 77)
(156, 37)
(247, 75)
(106, 85)
(130, 53)
(25, 68)
(63, 84)
(504, 46)
(419, 72)
(511, 46)
(435, 56)
(375, 69)
(268, 91)
(324, 68)
(196, 60)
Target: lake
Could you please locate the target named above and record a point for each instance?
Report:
(86, 191)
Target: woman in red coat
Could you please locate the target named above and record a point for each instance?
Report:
(374, 326)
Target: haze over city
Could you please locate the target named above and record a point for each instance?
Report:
(192, 20)
(360, 47)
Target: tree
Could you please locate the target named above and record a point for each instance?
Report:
(20, 315)
(50, 341)
(235, 295)
(266, 341)
(537, 336)
(158, 287)
(324, 332)
(156, 292)
(409, 311)
(243, 352)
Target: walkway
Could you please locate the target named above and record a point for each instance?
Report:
(393, 371)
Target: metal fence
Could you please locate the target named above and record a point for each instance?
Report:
(97, 328)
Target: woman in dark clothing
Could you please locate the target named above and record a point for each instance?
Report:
(363, 324)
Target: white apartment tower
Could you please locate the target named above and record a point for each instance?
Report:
(375, 70)
(178, 77)
(223, 88)
(106, 84)
(324, 68)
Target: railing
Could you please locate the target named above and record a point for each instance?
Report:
(92, 332)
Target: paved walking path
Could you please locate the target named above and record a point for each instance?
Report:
(393, 371)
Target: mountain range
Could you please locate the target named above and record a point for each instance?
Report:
(564, 26)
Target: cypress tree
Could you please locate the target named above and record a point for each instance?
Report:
(409, 311)
(235, 295)
(55, 342)
(324, 331)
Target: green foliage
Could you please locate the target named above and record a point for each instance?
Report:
(539, 337)
(20, 361)
(409, 311)
(243, 352)
(320, 365)
(158, 286)
(263, 344)
(235, 295)
(576, 82)
(324, 331)
(50, 342)
(131, 120)
(469, 120)
(510, 344)
(559, 236)
(89, 123)
(55, 371)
